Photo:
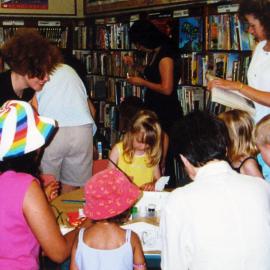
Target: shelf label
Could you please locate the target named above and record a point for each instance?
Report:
(111, 20)
(228, 8)
(99, 21)
(180, 13)
(11, 23)
(134, 17)
(49, 23)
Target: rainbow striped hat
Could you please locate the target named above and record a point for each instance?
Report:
(22, 130)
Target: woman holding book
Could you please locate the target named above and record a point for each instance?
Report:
(256, 12)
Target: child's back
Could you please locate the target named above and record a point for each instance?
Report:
(104, 246)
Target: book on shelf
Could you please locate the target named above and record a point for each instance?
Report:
(231, 98)
(190, 34)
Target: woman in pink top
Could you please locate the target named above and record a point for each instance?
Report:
(26, 219)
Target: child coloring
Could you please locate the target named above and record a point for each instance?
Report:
(242, 150)
(104, 244)
(139, 153)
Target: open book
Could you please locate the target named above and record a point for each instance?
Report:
(231, 98)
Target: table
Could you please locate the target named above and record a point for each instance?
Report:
(73, 201)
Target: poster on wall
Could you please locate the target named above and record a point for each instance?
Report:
(26, 4)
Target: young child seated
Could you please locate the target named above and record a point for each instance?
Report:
(104, 244)
(139, 153)
(242, 150)
(262, 140)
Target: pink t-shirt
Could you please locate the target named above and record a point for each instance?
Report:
(19, 248)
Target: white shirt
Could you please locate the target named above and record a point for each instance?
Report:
(64, 99)
(221, 221)
(259, 76)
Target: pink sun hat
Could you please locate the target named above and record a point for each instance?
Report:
(108, 194)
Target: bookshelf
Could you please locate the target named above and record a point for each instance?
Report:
(208, 34)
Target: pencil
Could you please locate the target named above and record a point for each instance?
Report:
(73, 201)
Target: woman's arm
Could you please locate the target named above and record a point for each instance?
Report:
(42, 222)
(165, 87)
(73, 265)
(246, 90)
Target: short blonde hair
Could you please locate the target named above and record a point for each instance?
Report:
(240, 127)
(262, 131)
(145, 126)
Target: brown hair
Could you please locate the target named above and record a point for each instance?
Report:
(240, 127)
(262, 131)
(146, 128)
(29, 53)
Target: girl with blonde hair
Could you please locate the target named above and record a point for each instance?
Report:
(242, 150)
(139, 153)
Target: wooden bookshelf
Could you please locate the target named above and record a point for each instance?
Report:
(102, 7)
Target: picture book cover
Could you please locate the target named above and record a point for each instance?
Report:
(190, 33)
(233, 61)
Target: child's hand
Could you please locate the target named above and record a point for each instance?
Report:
(148, 187)
(51, 190)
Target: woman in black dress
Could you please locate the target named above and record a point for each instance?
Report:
(161, 75)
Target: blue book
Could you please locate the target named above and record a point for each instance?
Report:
(232, 61)
(190, 34)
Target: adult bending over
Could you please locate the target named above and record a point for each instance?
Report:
(221, 219)
(31, 59)
(256, 12)
(69, 156)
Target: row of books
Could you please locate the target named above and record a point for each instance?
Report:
(191, 98)
(107, 120)
(222, 32)
(112, 89)
(112, 36)
(83, 37)
(109, 63)
(227, 32)
(230, 66)
(57, 35)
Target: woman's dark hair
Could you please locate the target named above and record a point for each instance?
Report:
(127, 110)
(147, 34)
(29, 53)
(260, 9)
(27, 163)
(201, 138)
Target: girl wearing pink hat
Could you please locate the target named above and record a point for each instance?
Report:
(104, 245)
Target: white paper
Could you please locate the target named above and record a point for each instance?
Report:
(149, 235)
(161, 182)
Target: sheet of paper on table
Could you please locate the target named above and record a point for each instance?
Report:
(149, 235)
(161, 182)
